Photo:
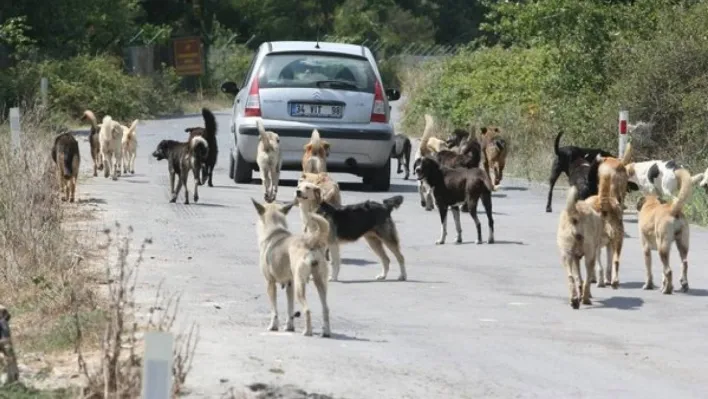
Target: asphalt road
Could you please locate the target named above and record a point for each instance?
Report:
(473, 321)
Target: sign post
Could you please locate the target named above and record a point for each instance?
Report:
(623, 120)
(157, 366)
(188, 56)
(15, 129)
(44, 90)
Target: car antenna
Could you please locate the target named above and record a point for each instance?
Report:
(317, 45)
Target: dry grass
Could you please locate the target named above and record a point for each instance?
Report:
(119, 373)
(41, 271)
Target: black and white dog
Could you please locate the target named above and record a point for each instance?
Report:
(402, 152)
(659, 177)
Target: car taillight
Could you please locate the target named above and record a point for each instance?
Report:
(253, 101)
(378, 112)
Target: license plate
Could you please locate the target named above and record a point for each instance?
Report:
(316, 110)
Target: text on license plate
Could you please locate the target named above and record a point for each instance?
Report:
(316, 110)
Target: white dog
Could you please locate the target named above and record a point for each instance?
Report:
(129, 147)
(269, 161)
(659, 177)
(110, 137)
(290, 260)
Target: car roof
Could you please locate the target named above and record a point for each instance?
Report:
(343, 48)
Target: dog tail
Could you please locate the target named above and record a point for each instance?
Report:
(571, 200)
(393, 202)
(132, 130)
(263, 135)
(199, 147)
(684, 192)
(627, 157)
(701, 177)
(556, 143)
(209, 122)
(427, 134)
(605, 191)
(88, 114)
(319, 236)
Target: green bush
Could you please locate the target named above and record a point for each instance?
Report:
(229, 63)
(96, 83)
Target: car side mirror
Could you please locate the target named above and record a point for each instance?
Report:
(230, 88)
(393, 94)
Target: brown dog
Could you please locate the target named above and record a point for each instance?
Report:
(617, 170)
(66, 157)
(580, 230)
(312, 189)
(660, 225)
(94, 143)
(494, 151)
(314, 160)
(613, 234)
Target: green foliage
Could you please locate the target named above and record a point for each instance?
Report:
(14, 33)
(99, 84)
(228, 60)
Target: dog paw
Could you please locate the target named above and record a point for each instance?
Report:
(548, 209)
(402, 277)
(615, 284)
(381, 277)
(439, 242)
(490, 241)
(173, 200)
(587, 301)
(307, 333)
(575, 303)
(478, 242)
(196, 198)
(63, 199)
(648, 286)
(71, 200)
(273, 327)
(186, 202)
(601, 283)
(326, 333)
(331, 278)
(290, 327)
(684, 286)
(458, 240)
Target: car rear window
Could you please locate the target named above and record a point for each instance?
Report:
(303, 70)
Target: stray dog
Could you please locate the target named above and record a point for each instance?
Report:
(495, 150)
(453, 187)
(129, 147)
(371, 220)
(181, 159)
(467, 155)
(66, 157)
(659, 226)
(209, 134)
(426, 195)
(269, 161)
(579, 235)
(704, 182)
(618, 172)
(402, 152)
(314, 188)
(314, 160)
(94, 142)
(110, 137)
(565, 156)
(658, 177)
(611, 211)
(583, 175)
(290, 260)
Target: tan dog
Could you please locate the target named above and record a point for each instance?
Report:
(659, 226)
(617, 170)
(269, 161)
(613, 235)
(129, 145)
(494, 153)
(290, 260)
(94, 142)
(314, 160)
(579, 235)
(66, 157)
(312, 189)
(110, 137)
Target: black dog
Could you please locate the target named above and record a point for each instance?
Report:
(583, 175)
(371, 220)
(402, 151)
(181, 159)
(209, 134)
(565, 156)
(454, 186)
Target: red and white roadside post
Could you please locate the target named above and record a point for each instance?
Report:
(623, 120)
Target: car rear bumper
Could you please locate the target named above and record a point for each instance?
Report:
(351, 150)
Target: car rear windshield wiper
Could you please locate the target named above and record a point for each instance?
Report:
(340, 83)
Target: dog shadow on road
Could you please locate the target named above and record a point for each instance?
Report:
(357, 262)
(390, 280)
(496, 242)
(345, 337)
(619, 302)
(637, 285)
(210, 205)
(350, 186)
(91, 200)
(513, 188)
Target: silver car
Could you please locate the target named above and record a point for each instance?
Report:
(296, 87)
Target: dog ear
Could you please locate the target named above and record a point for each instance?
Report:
(326, 146)
(307, 147)
(484, 130)
(318, 194)
(259, 208)
(285, 209)
(4, 314)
